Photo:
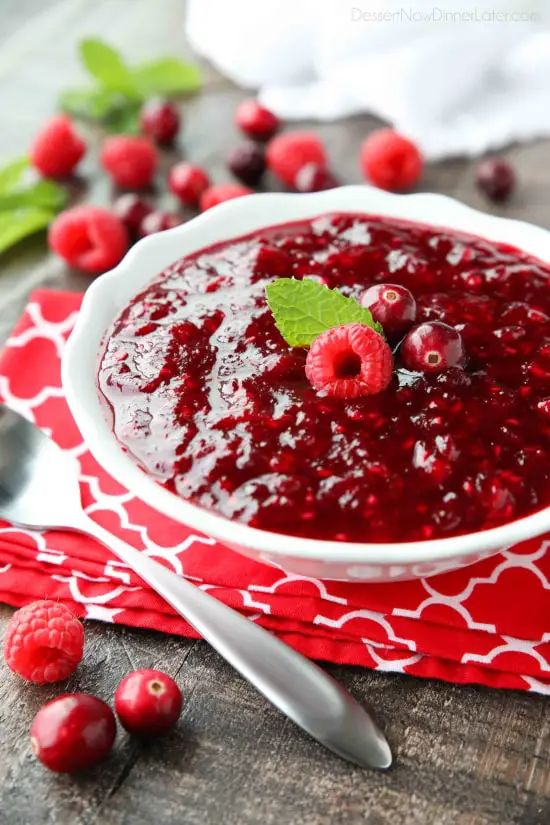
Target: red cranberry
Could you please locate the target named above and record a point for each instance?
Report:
(314, 178)
(157, 222)
(188, 182)
(247, 162)
(432, 347)
(131, 209)
(160, 120)
(391, 305)
(148, 702)
(72, 732)
(255, 120)
(496, 178)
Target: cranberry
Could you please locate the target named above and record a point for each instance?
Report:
(390, 160)
(157, 222)
(432, 347)
(496, 178)
(131, 209)
(72, 732)
(247, 162)
(391, 305)
(160, 120)
(188, 182)
(148, 702)
(221, 193)
(314, 178)
(255, 120)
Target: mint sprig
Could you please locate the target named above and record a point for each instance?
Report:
(120, 88)
(304, 309)
(26, 206)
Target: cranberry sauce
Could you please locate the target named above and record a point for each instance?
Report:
(209, 399)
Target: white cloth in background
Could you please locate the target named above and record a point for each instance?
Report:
(457, 78)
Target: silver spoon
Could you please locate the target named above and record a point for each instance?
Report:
(39, 490)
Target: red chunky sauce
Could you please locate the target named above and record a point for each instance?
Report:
(208, 398)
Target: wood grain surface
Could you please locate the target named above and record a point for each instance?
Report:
(464, 755)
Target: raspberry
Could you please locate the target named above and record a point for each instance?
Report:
(496, 178)
(288, 153)
(390, 161)
(349, 361)
(247, 162)
(131, 161)
(89, 238)
(57, 148)
(255, 120)
(72, 732)
(148, 702)
(160, 120)
(157, 222)
(223, 192)
(44, 642)
(188, 182)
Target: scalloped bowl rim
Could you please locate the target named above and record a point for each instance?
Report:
(112, 291)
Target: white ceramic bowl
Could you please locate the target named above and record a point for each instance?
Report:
(311, 557)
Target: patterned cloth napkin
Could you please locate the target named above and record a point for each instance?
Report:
(487, 623)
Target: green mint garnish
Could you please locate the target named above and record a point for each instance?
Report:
(26, 205)
(304, 309)
(120, 88)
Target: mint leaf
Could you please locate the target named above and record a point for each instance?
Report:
(43, 194)
(11, 173)
(92, 104)
(304, 309)
(107, 66)
(20, 223)
(166, 76)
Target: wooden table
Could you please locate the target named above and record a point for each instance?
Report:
(464, 755)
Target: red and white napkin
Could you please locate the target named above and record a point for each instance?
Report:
(488, 623)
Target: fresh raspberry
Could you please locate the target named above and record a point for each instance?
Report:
(188, 182)
(72, 732)
(160, 120)
(57, 148)
(247, 162)
(349, 361)
(255, 120)
(89, 238)
(148, 702)
(223, 192)
(44, 642)
(290, 152)
(131, 161)
(390, 161)
(157, 222)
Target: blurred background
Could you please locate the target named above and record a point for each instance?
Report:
(462, 81)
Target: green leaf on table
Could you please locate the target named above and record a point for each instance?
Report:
(304, 309)
(11, 173)
(43, 194)
(90, 104)
(107, 66)
(19, 224)
(166, 76)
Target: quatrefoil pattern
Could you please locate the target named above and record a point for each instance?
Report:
(488, 623)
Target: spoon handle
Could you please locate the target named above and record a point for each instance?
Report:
(298, 687)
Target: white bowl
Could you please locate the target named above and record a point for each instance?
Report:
(311, 557)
